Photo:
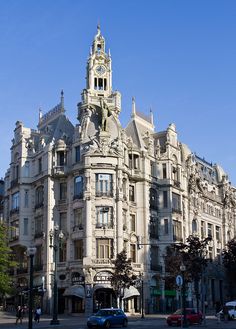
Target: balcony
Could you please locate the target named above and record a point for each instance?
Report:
(38, 205)
(178, 211)
(14, 182)
(59, 171)
(104, 226)
(14, 238)
(14, 211)
(22, 270)
(78, 196)
(108, 194)
(78, 227)
(62, 202)
(39, 235)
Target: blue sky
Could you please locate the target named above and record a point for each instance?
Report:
(175, 56)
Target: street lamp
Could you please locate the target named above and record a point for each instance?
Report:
(31, 252)
(183, 269)
(142, 294)
(55, 236)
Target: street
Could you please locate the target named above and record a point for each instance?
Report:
(7, 321)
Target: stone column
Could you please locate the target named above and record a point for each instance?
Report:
(88, 229)
(119, 223)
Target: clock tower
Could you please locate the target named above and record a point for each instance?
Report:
(99, 73)
(98, 99)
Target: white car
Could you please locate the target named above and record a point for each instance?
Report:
(231, 306)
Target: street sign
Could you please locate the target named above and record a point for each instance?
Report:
(179, 280)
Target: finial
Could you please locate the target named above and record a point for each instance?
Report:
(109, 52)
(40, 114)
(151, 115)
(133, 107)
(62, 98)
(98, 28)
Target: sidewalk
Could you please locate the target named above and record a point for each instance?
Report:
(8, 320)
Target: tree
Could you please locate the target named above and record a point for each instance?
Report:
(123, 276)
(6, 262)
(229, 261)
(193, 255)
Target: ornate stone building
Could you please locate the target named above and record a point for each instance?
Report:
(108, 188)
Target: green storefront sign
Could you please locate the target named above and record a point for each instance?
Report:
(158, 292)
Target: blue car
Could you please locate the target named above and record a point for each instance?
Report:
(107, 317)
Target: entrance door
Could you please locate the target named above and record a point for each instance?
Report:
(104, 298)
(77, 305)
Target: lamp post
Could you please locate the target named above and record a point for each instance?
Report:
(142, 294)
(142, 307)
(31, 252)
(183, 269)
(55, 236)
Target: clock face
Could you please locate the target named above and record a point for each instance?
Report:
(100, 69)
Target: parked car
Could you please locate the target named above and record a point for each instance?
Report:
(192, 316)
(231, 306)
(107, 317)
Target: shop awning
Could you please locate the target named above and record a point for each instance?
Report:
(76, 290)
(102, 286)
(131, 292)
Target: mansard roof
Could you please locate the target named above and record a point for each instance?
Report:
(59, 128)
(132, 130)
(139, 125)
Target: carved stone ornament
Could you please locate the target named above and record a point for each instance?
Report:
(103, 145)
(192, 183)
(229, 199)
(85, 119)
(29, 144)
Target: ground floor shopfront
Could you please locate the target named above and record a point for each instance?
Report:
(87, 299)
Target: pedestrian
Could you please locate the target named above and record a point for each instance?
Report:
(225, 313)
(37, 314)
(218, 309)
(19, 314)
